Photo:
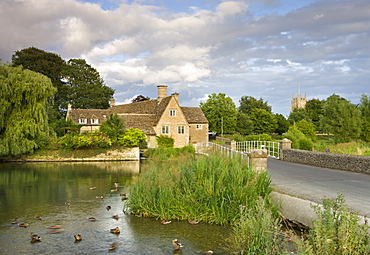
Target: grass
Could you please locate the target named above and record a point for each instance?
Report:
(353, 148)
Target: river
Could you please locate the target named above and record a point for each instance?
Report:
(28, 190)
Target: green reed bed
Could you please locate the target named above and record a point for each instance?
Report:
(204, 188)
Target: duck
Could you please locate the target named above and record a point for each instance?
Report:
(112, 247)
(122, 194)
(99, 197)
(176, 244)
(115, 230)
(193, 222)
(165, 222)
(116, 184)
(208, 252)
(55, 231)
(92, 188)
(115, 217)
(92, 219)
(124, 197)
(38, 217)
(15, 221)
(55, 226)
(35, 237)
(78, 237)
(23, 225)
(67, 203)
(113, 190)
(108, 207)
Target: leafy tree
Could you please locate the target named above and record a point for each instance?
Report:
(299, 140)
(314, 111)
(248, 103)
(131, 137)
(23, 116)
(244, 125)
(139, 98)
(263, 121)
(296, 115)
(86, 87)
(282, 124)
(112, 127)
(307, 128)
(221, 113)
(48, 64)
(341, 118)
(365, 117)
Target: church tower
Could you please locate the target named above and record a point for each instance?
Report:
(298, 102)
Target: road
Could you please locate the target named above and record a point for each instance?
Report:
(313, 183)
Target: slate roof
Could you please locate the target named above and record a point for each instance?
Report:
(89, 114)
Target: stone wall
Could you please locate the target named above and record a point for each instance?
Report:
(352, 163)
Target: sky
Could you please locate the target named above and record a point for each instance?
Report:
(269, 49)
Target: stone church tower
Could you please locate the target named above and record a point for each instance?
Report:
(298, 102)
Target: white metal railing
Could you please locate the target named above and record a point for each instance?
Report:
(273, 148)
(208, 147)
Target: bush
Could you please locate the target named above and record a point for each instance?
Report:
(131, 137)
(85, 140)
(165, 141)
(305, 143)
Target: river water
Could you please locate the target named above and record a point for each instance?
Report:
(41, 189)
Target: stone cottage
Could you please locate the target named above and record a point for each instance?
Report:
(161, 116)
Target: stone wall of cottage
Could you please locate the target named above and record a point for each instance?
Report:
(198, 133)
(173, 122)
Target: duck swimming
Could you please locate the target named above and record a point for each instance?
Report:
(108, 207)
(165, 222)
(23, 225)
(67, 203)
(55, 226)
(99, 197)
(115, 217)
(92, 188)
(92, 219)
(35, 237)
(193, 222)
(78, 237)
(38, 218)
(15, 221)
(112, 247)
(115, 230)
(176, 244)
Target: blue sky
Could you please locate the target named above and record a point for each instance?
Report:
(262, 48)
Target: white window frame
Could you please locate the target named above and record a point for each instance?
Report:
(199, 126)
(172, 113)
(82, 121)
(94, 121)
(181, 129)
(165, 130)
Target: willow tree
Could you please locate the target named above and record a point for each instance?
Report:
(24, 95)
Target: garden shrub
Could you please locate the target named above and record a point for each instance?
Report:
(165, 141)
(131, 137)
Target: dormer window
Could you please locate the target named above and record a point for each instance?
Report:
(82, 121)
(94, 121)
(172, 113)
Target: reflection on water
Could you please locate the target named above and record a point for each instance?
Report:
(42, 189)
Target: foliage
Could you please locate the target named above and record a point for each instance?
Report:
(165, 141)
(244, 125)
(86, 89)
(248, 103)
(165, 153)
(139, 98)
(112, 127)
(263, 121)
(85, 140)
(353, 147)
(307, 128)
(282, 124)
(299, 140)
(131, 137)
(257, 231)
(305, 143)
(220, 112)
(204, 188)
(365, 117)
(336, 230)
(296, 115)
(261, 137)
(23, 117)
(341, 118)
(314, 111)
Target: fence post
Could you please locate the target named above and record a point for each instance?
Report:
(284, 144)
(258, 159)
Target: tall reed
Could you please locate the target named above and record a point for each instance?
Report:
(204, 188)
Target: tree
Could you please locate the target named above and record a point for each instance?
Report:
(221, 113)
(282, 124)
(314, 111)
(296, 115)
(244, 125)
(23, 116)
(307, 128)
(341, 118)
(263, 121)
(248, 103)
(87, 89)
(365, 117)
(112, 127)
(139, 98)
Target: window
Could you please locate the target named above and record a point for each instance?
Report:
(94, 121)
(82, 121)
(181, 129)
(165, 129)
(173, 113)
(199, 126)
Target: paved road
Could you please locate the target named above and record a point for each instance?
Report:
(313, 183)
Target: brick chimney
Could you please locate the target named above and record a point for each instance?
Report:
(162, 92)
